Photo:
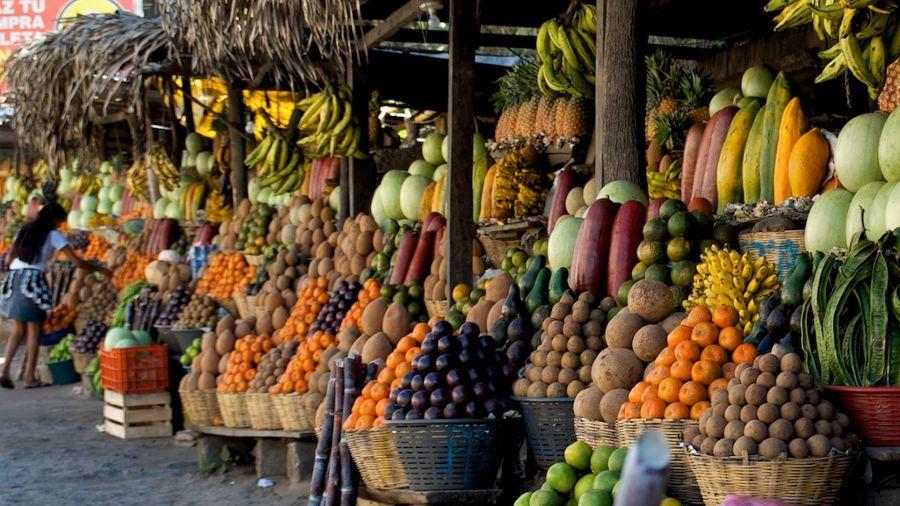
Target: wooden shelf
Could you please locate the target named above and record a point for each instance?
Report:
(378, 497)
(253, 433)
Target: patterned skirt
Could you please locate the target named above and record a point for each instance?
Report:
(25, 296)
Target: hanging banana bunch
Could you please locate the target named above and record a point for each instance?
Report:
(136, 180)
(567, 48)
(278, 163)
(864, 33)
(166, 173)
(329, 125)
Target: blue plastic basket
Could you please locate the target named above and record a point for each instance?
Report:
(63, 372)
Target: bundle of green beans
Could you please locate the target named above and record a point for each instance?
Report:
(851, 321)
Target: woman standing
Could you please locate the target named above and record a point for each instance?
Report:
(24, 294)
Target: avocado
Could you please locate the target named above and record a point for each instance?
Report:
(512, 304)
(527, 280)
(757, 333)
(796, 320)
(559, 283)
(539, 315)
(792, 287)
(788, 342)
(768, 304)
(498, 330)
(538, 295)
(778, 320)
(518, 329)
(681, 224)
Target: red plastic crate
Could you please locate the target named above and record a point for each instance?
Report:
(137, 370)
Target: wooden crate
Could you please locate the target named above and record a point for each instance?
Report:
(133, 416)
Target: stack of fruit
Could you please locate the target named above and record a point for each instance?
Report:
(192, 352)
(167, 276)
(61, 350)
(272, 367)
(60, 318)
(98, 303)
(252, 236)
(201, 312)
(215, 354)
(131, 270)
(310, 299)
(565, 46)
(89, 338)
(225, 274)
(242, 363)
(334, 311)
(329, 124)
(514, 187)
(96, 248)
(370, 291)
(175, 304)
(310, 224)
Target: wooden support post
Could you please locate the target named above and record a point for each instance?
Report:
(361, 172)
(236, 143)
(461, 119)
(620, 92)
(188, 105)
(152, 182)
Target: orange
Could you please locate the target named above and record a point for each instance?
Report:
(728, 370)
(705, 372)
(380, 406)
(730, 338)
(668, 389)
(691, 393)
(725, 316)
(697, 315)
(687, 350)
(653, 408)
(380, 391)
(405, 344)
(650, 392)
(367, 391)
(714, 353)
(678, 334)
(677, 411)
(705, 334)
(637, 390)
(698, 409)
(386, 376)
(365, 422)
(718, 384)
(412, 353)
(681, 369)
(657, 374)
(351, 421)
(401, 369)
(666, 357)
(367, 407)
(629, 410)
(744, 354)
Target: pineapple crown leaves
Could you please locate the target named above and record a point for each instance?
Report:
(671, 129)
(518, 85)
(697, 87)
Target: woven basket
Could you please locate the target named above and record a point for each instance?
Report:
(436, 308)
(82, 360)
(255, 259)
(448, 454)
(874, 411)
(801, 482)
(292, 412)
(549, 427)
(376, 457)
(242, 304)
(261, 410)
(780, 248)
(682, 484)
(234, 410)
(497, 240)
(201, 406)
(229, 305)
(596, 432)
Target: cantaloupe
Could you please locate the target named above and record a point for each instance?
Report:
(826, 224)
(860, 209)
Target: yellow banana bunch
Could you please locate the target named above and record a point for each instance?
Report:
(166, 172)
(725, 276)
(216, 211)
(665, 184)
(567, 50)
(329, 125)
(278, 163)
(86, 184)
(865, 35)
(136, 180)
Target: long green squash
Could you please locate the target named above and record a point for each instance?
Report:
(729, 182)
(779, 96)
(752, 152)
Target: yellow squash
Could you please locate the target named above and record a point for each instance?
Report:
(487, 194)
(778, 98)
(729, 182)
(808, 163)
(793, 125)
(750, 163)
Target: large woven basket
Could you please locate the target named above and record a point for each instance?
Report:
(682, 484)
(261, 410)
(497, 240)
(81, 360)
(780, 248)
(292, 412)
(375, 455)
(874, 411)
(549, 427)
(234, 410)
(801, 482)
(448, 454)
(436, 308)
(201, 406)
(596, 432)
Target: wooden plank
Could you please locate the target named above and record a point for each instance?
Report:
(128, 400)
(253, 433)
(461, 120)
(138, 432)
(137, 415)
(405, 496)
(393, 23)
(236, 143)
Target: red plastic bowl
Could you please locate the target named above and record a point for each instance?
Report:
(874, 412)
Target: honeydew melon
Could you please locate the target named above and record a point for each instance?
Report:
(856, 153)
(411, 195)
(194, 143)
(159, 208)
(439, 172)
(892, 210)
(421, 168)
(86, 219)
(623, 191)
(115, 192)
(724, 98)
(861, 209)
(878, 211)
(105, 207)
(117, 208)
(114, 336)
(562, 242)
(756, 81)
(88, 203)
(826, 224)
(390, 187)
(431, 149)
(889, 148)
(334, 200)
(74, 219)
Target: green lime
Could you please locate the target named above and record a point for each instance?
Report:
(519, 258)
(704, 218)
(615, 490)
(414, 308)
(656, 230)
(681, 224)
(637, 273)
(683, 272)
(595, 498)
(670, 207)
(600, 458)
(651, 252)
(529, 262)
(416, 292)
(680, 293)
(622, 293)
(186, 359)
(455, 320)
(523, 499)
(477, 294)
(506, 264)
(578, 455)
(658, 272)
(678, 249)
(402, 297)
(583, 484)
(561, 477)
(617, 459)
(606, 480)
(545, 498)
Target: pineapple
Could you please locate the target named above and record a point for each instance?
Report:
(577, 118)
(514, 92)
(542, 116)
(506, 122)
(889, 99)
(550, 121)
(526, 117)
(696, 89)
(562, 104)
(663, 78)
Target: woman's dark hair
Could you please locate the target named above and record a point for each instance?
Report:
(31, 237)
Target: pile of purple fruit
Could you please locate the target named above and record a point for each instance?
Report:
(91, 336)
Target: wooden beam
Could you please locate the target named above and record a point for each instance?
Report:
(393, 23)
(621, 94)
(361, 172)
(186, 99)
(236, 143)
(461, 120)
(599, 89)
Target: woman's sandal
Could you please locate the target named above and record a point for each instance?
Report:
(7, 383)
(39, 384)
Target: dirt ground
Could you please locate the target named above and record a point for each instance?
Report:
(52, 453)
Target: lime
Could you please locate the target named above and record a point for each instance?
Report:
(669, 501)
(600, 458)
(186, 359)
(561, 477)
(416, 292)
(455, 320)
(622, 293)
(529, 262)
(656, 230)
(578, 455)
(523, 499)
(658, 272)
(402, 297)
(476, 294)
(519, 258)
(615, 490)
(584, 484)
(595, 498)
(606, 480)
(506, 264)
(651, 252)
(545, 498)
(637, 273)
(414, 308)
(703, 218)
(572, 502)
(683, 272)
(520, 271)
(617, 459)
(681, 224)
(670, 207)
(678, 248)
(387, 291)
(680, 293)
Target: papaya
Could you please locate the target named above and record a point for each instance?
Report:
(487, 194)
(779, 95)
(808, 163)
(425, 204)
(793, 125)
(729, 182)
(750, 163)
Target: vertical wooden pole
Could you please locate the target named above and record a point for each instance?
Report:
(621, 94)
(188, 104)
(361, 172)
(236, 143)
(599, 89)
(461, 122)
(152, 182)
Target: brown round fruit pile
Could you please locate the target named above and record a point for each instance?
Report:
(771, 408)
(98, 302)
(355, 245)
(273, 365)
(571, 339)
(200, 313)
(315, 226)
(215, 350)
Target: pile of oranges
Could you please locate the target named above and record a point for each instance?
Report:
(371, 291)
(225, 274)
(701, 356)
(60, 318)
(131, 270)
(310, 300)
(96, 248)
(368, 409)
(242, 363)
(307, 360)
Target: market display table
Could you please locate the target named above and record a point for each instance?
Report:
(380, 497)
(276, 452)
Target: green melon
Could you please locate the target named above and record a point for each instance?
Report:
(756, 81)
(562, 242)
(876, 223)
(623, 191)
(724, 98)
(411, 195)
(825, 226)
(194, 143)
(390, 193)
(860, 209)
(421, 168)
(431, 149)
(856, 154)
(892, 210)
(889, 148)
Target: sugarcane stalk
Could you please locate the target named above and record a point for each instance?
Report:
(317, 481)
(348, 471)
(646, 466)
(332, 489)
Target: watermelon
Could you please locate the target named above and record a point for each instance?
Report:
(826, 224)
(856, 153)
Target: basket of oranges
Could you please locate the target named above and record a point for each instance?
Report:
(240, 372)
